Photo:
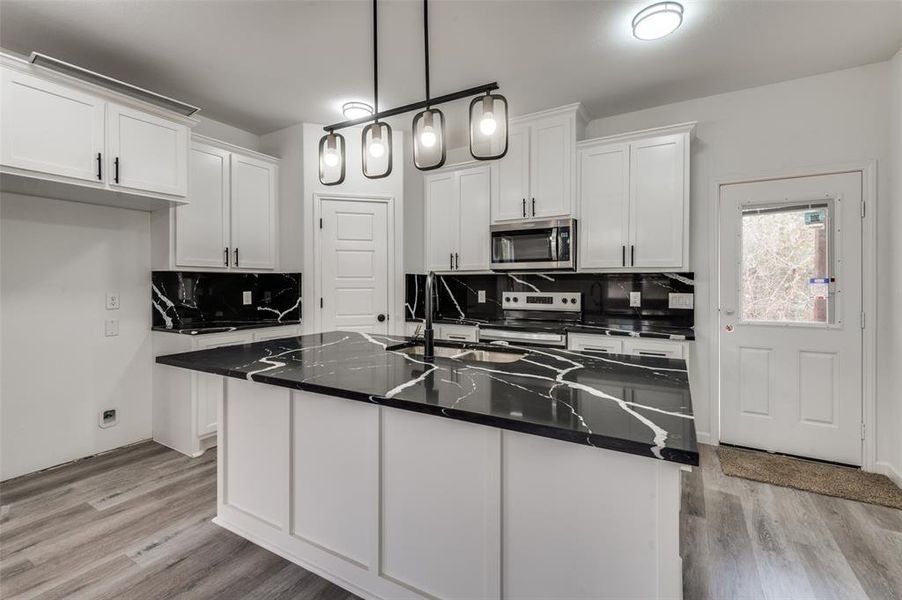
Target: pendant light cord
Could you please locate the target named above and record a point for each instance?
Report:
(375, 62)
(426, 44)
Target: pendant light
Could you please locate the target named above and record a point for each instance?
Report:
(332, 159)
(376, 138)
(488, 127)
(429, 125)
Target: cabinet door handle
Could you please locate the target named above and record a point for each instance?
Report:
(533, 207)
(450, 260)
(116, 172)
(594, 349)
(632, 256)
(99, 167)
(524, 207)
(236, 257)
(225, 259)
(456, 260)
(623, 255)
(452, 336)
(648, 353)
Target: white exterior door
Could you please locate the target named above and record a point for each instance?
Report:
(551, 159)
(202, 225)
(604, 209)
(790, 306)
(512, 185)
(443, 217)
(474, 193)
(657, 203)
(253, 213)
(353, 253)
(146, 152)
(50, 128)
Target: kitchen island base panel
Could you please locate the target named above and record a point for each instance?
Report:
(389, 503)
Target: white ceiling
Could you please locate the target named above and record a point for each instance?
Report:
(262, 65)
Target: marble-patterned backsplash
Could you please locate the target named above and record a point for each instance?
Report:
(604, 295)
(184, 299)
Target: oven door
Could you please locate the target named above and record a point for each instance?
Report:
(532, 245)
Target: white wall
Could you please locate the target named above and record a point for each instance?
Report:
(227, 133)
(357, 185)
(891, 385)
(835, 118)
(57, 261)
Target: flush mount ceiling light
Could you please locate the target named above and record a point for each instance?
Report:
(428, 127)
(657, 20)
(356, 110)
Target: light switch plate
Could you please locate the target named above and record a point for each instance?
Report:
(246, 298)
(686, 301)
(112, 300)
(635, 299)
(480, 296)
(111, 328)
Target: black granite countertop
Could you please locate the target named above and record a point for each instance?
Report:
(639, 405)
(224, 326)
(614, 327)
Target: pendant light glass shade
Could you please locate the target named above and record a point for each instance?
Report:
(429, 139)
(377, 157)
(488, 127)
(331, 159)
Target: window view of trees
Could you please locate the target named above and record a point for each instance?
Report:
(782, 250)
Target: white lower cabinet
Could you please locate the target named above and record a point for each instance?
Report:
(186, 403)
(626, 345)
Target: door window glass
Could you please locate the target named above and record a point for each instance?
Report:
(786, 263)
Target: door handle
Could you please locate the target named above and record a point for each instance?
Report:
(116, 171)
(236, 257)
(225, 259)
(380, 318)
(456, 260)
(524, 208)
(533, 207)
(99, 167)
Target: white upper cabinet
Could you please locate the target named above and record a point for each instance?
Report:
(634, 201)
(253, 213)
(65, 138)
(230, 221)
(202, 226)
(457, 219)
(145, 152)
(535, 179)
(51, 128)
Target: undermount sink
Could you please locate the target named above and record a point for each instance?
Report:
(466, 354)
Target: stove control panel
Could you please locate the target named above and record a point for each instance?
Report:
(557, 301)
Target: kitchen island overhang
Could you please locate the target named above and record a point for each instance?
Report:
(556, 475)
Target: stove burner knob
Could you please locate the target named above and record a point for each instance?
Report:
(573, 300)
(564, 300)
(507, 299)
(516, 299)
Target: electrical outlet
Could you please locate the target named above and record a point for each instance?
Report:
(480, 296)
(108, 418)
(686, 301)
(112, 300)
(111, 328)
(246, 298)
(635, 299)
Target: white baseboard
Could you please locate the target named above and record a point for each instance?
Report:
(884, 468)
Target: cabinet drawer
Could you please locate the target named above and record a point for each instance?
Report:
(594, 343)
(660, 348)
(458, 333)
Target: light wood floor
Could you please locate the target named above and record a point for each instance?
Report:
(135, 524)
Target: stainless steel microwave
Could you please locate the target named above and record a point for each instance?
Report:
(534, 245)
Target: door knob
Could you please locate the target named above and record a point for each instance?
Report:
(380, 318)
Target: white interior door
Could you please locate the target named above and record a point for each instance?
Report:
(202, 225)
(790, 316)
(353, 252)
(253, 213)
(50, 128)
(147, 152)
(475, 239)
